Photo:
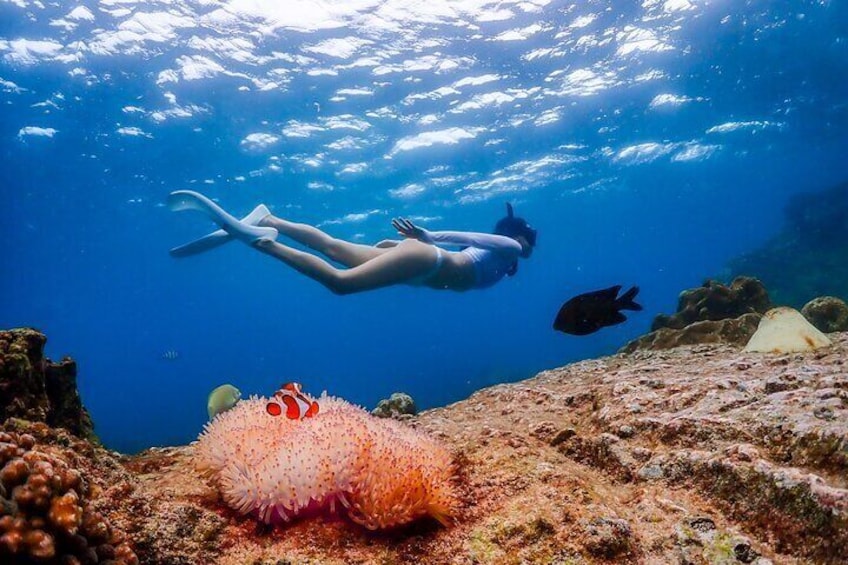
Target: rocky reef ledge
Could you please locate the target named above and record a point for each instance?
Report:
(697, 454)
(36, 389)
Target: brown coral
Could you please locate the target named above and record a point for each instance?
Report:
(45, 513)
(716, 301)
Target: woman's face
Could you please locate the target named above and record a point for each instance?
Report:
(526, 248)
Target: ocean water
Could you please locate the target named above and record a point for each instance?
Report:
(649, 143)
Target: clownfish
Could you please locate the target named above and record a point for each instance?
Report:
(292, 401)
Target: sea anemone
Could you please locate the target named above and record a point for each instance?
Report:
(384, 473)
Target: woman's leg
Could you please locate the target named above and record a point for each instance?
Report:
(393, 266)
(344, 252)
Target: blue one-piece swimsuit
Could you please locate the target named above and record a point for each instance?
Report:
(492, 255)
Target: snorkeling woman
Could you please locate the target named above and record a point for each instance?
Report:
(416, 260)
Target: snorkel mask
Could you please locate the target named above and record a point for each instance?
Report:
(513, 226)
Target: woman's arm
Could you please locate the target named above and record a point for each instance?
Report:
(462, 238)
(474, 239)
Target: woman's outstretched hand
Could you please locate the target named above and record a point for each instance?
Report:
(410, 230)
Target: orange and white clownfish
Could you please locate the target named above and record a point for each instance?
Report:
(292, 401)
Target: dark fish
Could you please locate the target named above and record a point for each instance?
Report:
(171, 355)
(589, 312)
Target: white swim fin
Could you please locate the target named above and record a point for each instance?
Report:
(218, 237)
(190, 200)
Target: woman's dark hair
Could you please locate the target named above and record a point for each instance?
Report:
(514, 227)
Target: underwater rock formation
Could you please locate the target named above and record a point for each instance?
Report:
(711, 313)
(700, 454)
(399, 404)
(45, 510)
(381, 473)
(731, 331)
(827, 313)
(715, 301)
(807, 258)
(35, 389)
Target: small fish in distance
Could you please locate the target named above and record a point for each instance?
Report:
(589, 312)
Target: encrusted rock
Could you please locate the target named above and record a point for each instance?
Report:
(34, 388)
(715, 301)
(797, 506)
(397, 405)
(608, 537)
(626, 431)
(733, 331)
(603, 452)
(778, 384)
(544, 431)
(701, 524)
(562, 436)
(180, 533)
(743, 551)
(701, 541)
(641, 454)
(650, 472)
(824, 413)
(827, 313)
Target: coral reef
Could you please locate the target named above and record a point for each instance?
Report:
(700, 454)
(35, 389)
(827, 313)
(807, 258)
(711, 314)
(399, 404)
(716, 301)
(383, 473)
(731, 331)
(45, 514)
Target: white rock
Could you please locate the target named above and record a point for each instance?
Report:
(785, 330)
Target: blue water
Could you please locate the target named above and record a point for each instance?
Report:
(649, 144)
